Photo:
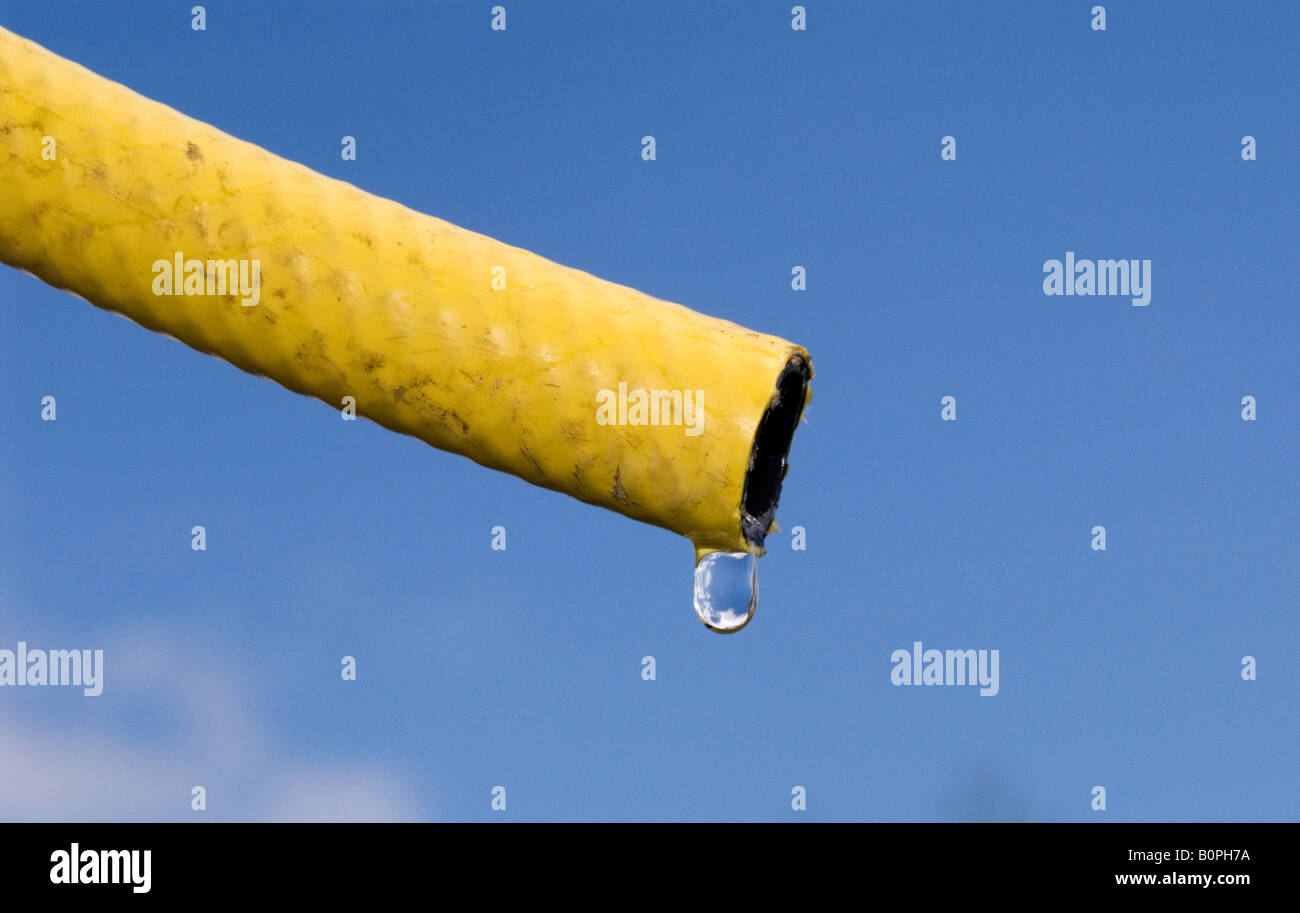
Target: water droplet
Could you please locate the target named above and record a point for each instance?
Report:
(726, 590)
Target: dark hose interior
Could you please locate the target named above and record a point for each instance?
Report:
(768, 461)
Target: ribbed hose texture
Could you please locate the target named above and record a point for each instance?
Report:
(360, 296)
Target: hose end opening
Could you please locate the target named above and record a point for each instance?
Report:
(769, 458)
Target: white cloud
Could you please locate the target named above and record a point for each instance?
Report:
(202, 729)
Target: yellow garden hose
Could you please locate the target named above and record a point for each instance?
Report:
(486, 350)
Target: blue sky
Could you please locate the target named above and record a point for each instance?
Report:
(775, 148)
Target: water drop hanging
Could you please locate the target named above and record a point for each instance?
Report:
(726, 590)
